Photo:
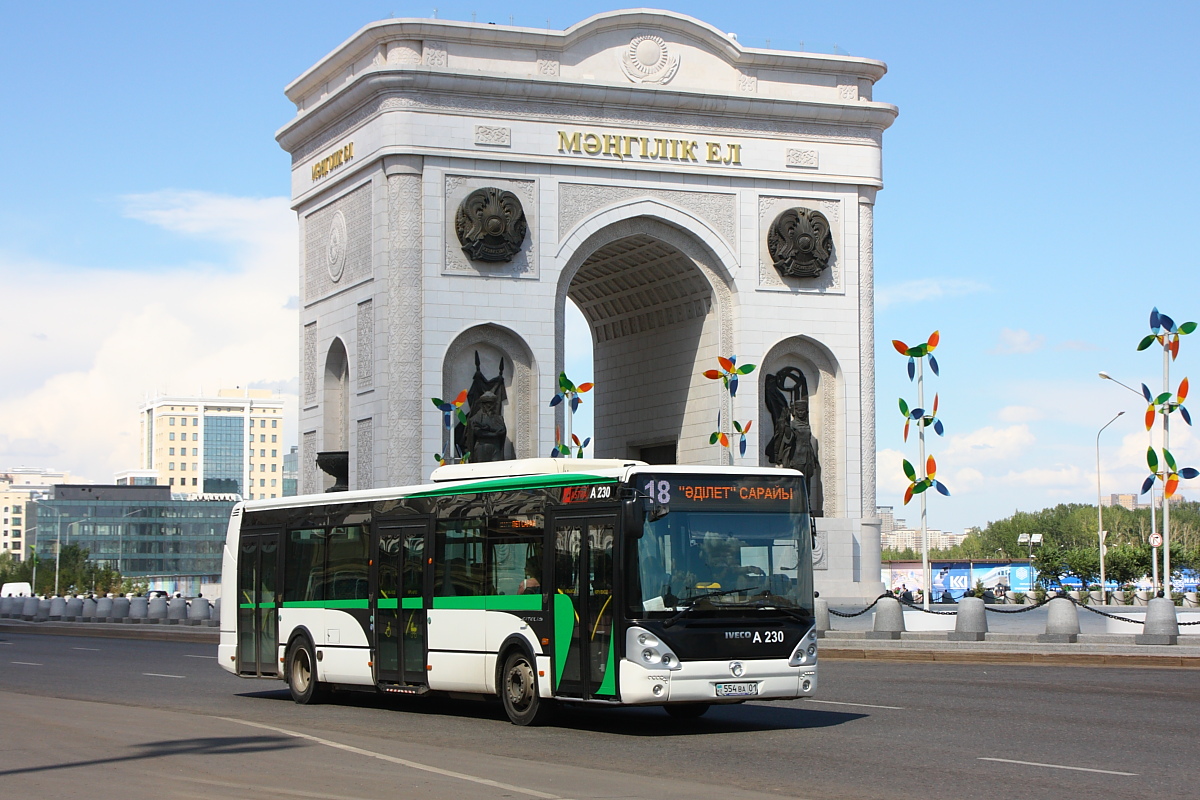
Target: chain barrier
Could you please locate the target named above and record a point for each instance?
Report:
(911, 604)
(1118, 617)
(1021, 610)
(860, 613)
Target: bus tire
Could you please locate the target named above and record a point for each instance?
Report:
(687, 710)
(519, 691)
(300, 672)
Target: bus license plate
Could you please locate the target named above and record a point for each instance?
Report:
(736, 689)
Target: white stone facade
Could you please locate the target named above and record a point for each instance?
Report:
(650, 153)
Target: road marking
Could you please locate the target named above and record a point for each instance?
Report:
(28, 663)
(161, 675)
(1059, 766)
(191, 656)
(92, 649)
(401, 761)
(858, 705)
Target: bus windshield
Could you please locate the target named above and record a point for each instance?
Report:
(724, 555)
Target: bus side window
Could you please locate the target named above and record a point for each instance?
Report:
(304, 565)
(459, 564)
(347, 564)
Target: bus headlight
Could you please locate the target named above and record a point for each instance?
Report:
(805, 652)
(645, 649)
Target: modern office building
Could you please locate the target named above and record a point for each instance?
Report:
(228, 444)
(143, 532)
(18, 487)
(291, 472)
(910, 539)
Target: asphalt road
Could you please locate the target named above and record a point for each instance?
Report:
(159, 720)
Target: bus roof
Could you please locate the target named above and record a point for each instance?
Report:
(516, 474)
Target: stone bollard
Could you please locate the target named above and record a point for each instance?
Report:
(29, 609)
(74, 609)
(214, 619)
(1141, 597)
(1062, 622)
(198, 611)
(1190, 600)
(1161, 625)
(139, 609)
(821, 616)
(5, 607)
(120, 610)
(156, 610)
(104, 606)
(889, 619)
(1097, 598)
(43, 610)
(971, 622)
(177, 610)
(58, 607)
(88, 613)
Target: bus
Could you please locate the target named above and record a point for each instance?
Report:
(539, 582)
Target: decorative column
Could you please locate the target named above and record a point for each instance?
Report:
(406, 298)
(866, 346)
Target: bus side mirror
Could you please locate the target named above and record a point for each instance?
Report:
(631, 519)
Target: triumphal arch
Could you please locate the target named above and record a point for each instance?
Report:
(457, 183)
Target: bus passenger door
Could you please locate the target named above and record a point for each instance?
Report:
(583, 606)
(257, 605)
(399, 553)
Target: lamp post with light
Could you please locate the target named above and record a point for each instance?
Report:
(1153, 511)
(1100, 508)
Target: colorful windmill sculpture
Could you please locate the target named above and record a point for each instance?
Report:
(919, 483)
(452, 414)
(728, 374)
(1166, 332)
(569, 393)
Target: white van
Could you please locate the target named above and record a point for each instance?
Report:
(16, 590)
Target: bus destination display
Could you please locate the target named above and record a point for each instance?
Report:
(765, 494)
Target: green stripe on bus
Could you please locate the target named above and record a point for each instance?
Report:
(387, 604)
(564, 626)
(260, 605)
(326, 604)
(412, 602)
(609, 684)
(393, 603)
(495, 602)
(522, 482)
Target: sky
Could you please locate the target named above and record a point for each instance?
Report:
(1039, 201)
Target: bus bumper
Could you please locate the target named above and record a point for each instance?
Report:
(715, 682)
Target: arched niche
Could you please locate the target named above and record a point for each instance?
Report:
(658, 301)
(335, 398)
(825, 391)
(495, 343)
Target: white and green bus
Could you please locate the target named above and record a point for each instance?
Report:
(540, 581)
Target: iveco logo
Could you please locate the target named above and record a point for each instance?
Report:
(737, 634)
(736, 668)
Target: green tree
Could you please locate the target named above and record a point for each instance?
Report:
(1083, 563)
(1049, 561)
(1126, 563)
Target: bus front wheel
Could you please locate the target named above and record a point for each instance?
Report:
(519, 691)
(300, 669)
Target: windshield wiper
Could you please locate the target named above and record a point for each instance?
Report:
(795, 614)
(689, 603)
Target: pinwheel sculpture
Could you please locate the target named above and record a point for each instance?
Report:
(920, 482)
(452, 414)
(728, 374)
(569, 393)
(1166, 332)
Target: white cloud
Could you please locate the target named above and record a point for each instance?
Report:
(1020, 414)
(963, 481)
(1058, 477)
(925, 289)
(1018, 342)
(889, 472)
(116, 337)
(988, 444)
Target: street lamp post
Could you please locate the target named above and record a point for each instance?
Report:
(1153, 514)
(1100, 508)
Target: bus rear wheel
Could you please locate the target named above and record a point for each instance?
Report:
(519, 691)
(300, 670)
(688, 710)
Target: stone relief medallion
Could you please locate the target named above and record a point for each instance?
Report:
(335, 249)
(491, 225)
(800, 243)
(647, 60)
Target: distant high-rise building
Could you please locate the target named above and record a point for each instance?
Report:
(291, 472)
(18, 487)
(228, 444)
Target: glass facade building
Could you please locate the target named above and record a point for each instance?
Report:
(140, 531)
(224, 452)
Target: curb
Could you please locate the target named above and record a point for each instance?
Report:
(968, 655)
(103, 630)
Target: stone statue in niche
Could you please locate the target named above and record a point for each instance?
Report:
(800, 243)
(485, 435)
(491, 225)
(792, 443)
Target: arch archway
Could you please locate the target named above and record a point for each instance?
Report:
(657, 301)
